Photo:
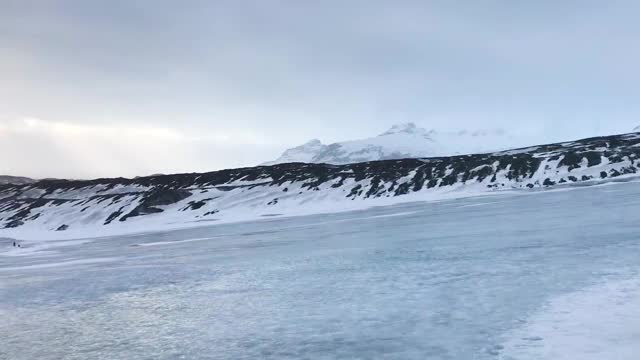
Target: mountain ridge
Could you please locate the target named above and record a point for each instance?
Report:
(16, 180)
(80, 207)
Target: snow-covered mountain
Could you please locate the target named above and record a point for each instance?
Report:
(304, 153)
(78, 208)
(400, 142)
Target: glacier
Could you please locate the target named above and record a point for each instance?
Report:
(547, 275)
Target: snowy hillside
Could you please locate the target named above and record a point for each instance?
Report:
(400, 142)
(75, 208)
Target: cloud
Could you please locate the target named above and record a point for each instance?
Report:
(39, 148)
(64, 131)
(217, 83)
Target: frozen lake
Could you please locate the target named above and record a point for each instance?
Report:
(551, 275)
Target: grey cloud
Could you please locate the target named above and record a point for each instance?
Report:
(293, 70)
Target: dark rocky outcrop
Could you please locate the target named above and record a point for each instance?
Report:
(157, 197)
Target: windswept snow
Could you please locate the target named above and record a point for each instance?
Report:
(595, 323)
(69, 263)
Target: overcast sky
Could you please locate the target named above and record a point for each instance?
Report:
(94, 88)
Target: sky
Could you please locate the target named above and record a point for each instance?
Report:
(93, 88)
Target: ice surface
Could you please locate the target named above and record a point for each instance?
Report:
(600, 322)
(552, 275)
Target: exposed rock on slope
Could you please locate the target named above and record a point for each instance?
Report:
(151, 202)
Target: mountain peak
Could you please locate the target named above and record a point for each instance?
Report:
(408, 128)
(313, 142)
(401, 128)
